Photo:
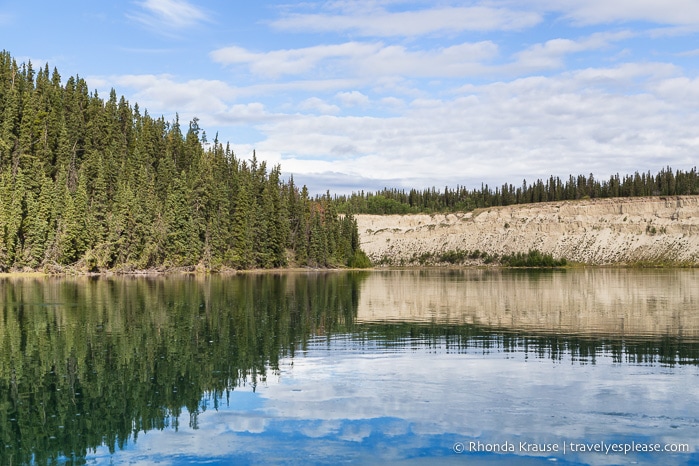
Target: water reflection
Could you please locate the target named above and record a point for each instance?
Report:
(91, 361)
(617, 302)
(296, 362)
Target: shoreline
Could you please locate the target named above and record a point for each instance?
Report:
(170, 272)
(650, 232)
(381, 268)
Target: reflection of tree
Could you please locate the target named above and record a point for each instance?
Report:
(86, 362)
(89, 362)
(668, 351)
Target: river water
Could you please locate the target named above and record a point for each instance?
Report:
(580, 366)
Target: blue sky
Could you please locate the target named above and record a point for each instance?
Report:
(362, 94)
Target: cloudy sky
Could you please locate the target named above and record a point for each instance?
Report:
(362, 94)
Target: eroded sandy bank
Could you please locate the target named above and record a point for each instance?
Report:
(595, 231)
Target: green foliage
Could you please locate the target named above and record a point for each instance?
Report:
(359, 260)
(489, 259)
(453, 256)
(461, 199)
(533, 258)
(97, 185)
(383, 205)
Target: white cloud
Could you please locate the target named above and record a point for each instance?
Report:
(301, 85)
(548, 54)
(454, 61)
(316, 105)
(362, 59)
(380, 23)
(635, 116)
(627, 72)
(680, 90)
(169, 14)
(500, 107)
(670, 12)
(352, 98)
(162, 92)
(368, 61)
(393, 102)
(551, 53)
(530, 127)
(212, 101)
(689, 53)
(294, 61)
(250, 113)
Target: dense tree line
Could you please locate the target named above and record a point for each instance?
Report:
(97, 184)
(399, 201)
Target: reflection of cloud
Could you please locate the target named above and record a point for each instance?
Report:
(355, 433)
(243, 422)
(477, 396)
(354, 402)
(318, 429)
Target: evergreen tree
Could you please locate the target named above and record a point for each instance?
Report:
(96, 184)
(178, 219)
(243, 222)
(40, 222)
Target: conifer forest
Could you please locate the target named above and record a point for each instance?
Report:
(461, 199)
(94, 184)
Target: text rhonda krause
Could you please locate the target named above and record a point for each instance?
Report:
(577, 447)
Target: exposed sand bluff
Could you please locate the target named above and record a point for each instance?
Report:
(594, 231)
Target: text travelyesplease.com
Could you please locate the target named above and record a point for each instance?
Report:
(571, 447)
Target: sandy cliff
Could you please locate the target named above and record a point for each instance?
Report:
(595, 231)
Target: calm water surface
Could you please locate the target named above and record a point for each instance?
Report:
(384, 367)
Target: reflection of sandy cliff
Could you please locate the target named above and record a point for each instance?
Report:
(587, 302)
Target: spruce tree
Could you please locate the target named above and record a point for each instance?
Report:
(242, 222)
(99, 184)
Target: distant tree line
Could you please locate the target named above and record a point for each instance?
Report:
(399, 201)
(96, 184)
